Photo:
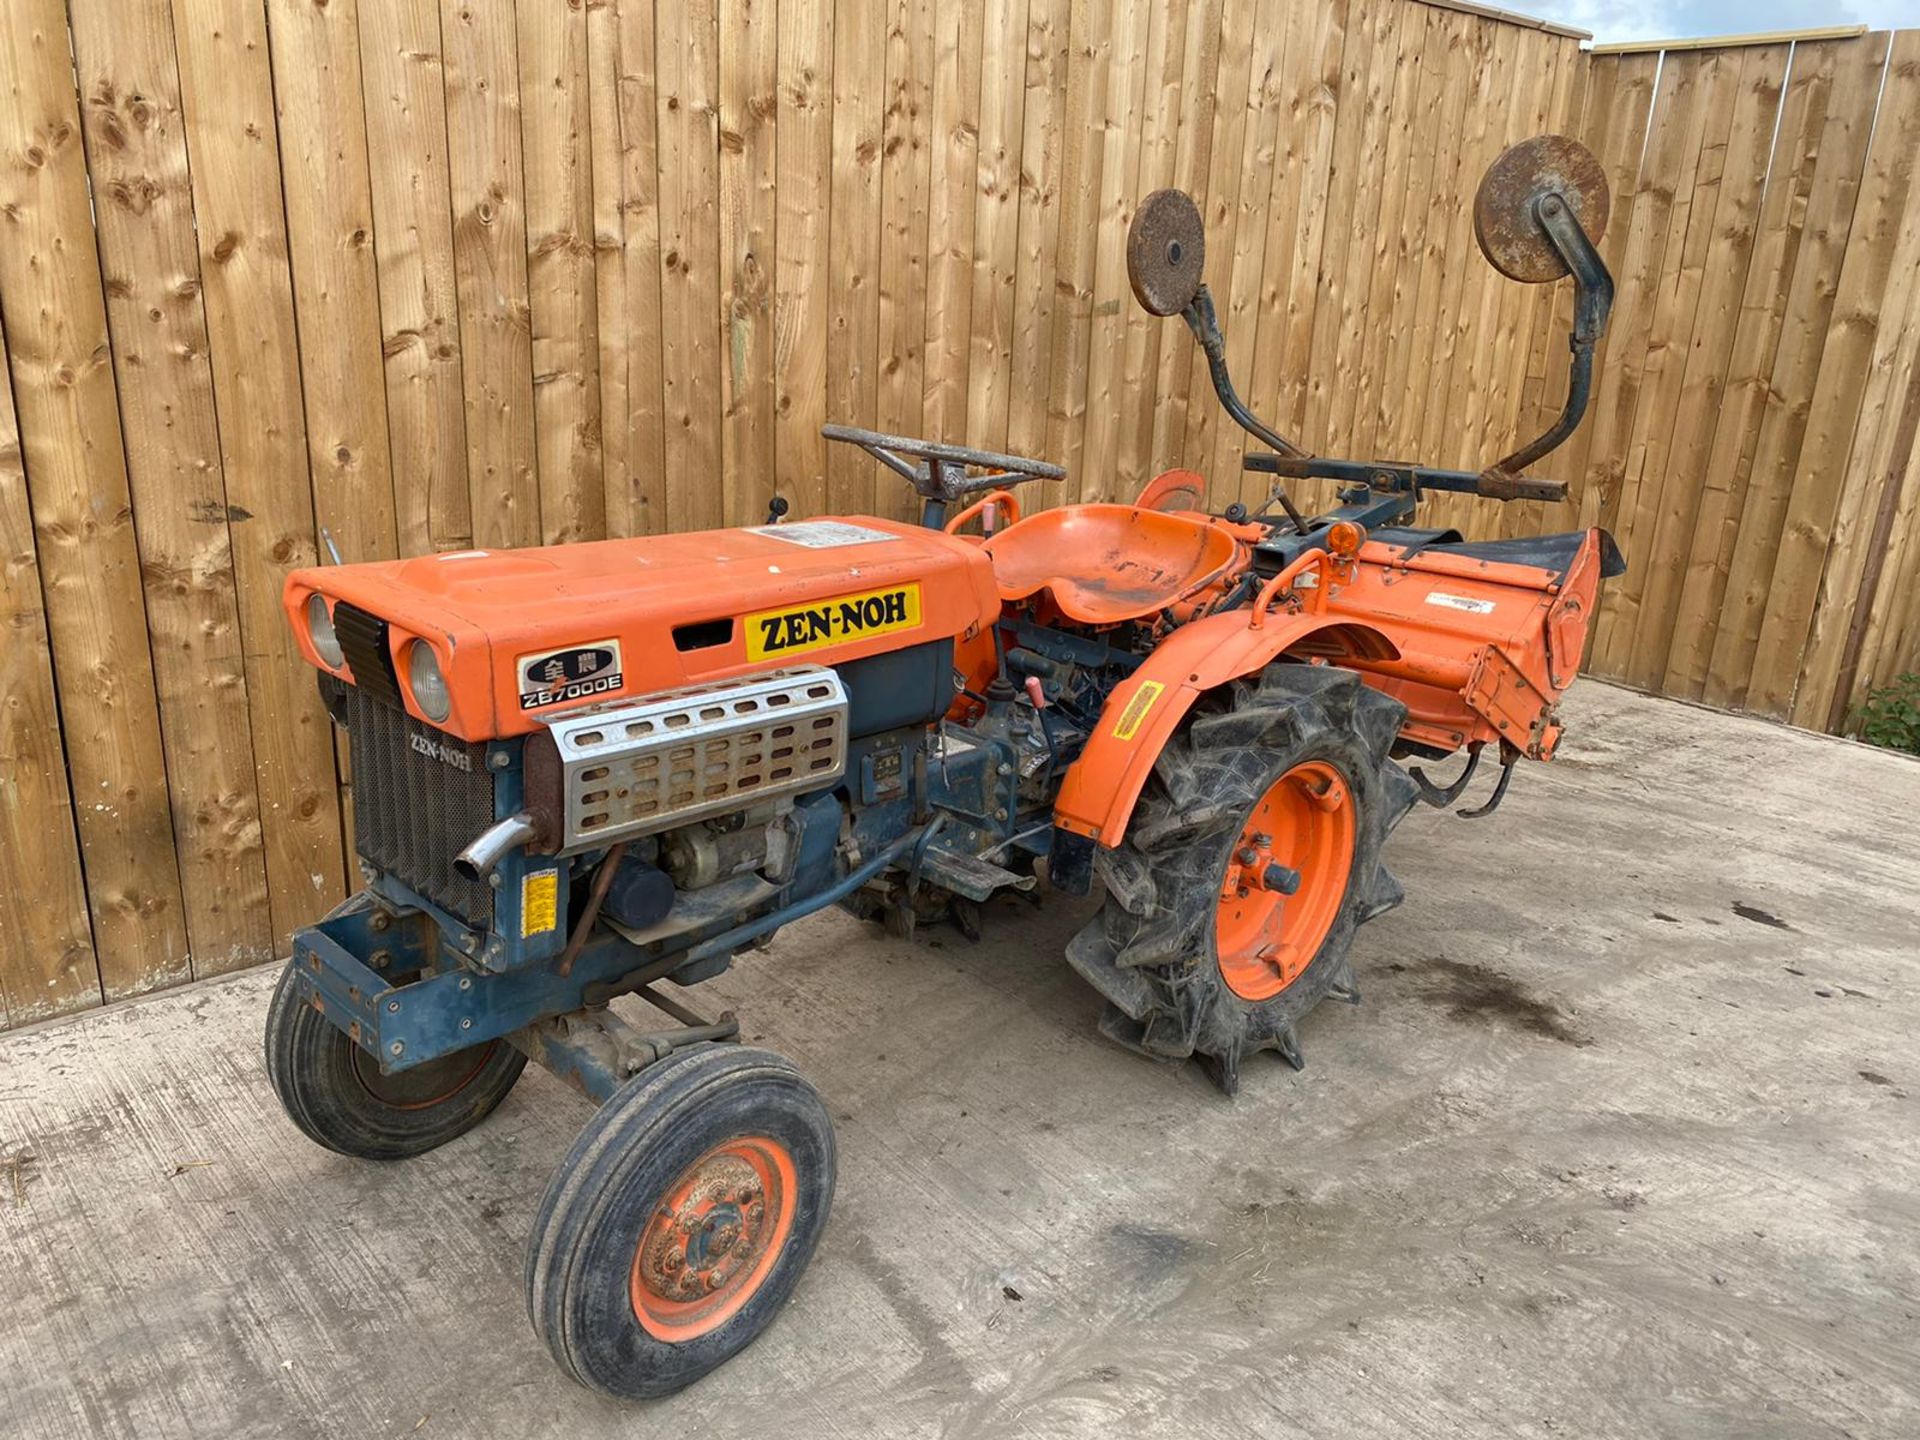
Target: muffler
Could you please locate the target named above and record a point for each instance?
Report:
(486, 848)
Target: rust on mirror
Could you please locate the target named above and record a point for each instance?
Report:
(1166, 250)
(1503, 217)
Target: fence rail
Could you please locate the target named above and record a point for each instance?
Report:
(429, 274)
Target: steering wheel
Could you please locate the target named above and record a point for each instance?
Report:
(942, 474)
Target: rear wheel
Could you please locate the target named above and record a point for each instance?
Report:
(1252, 857)
(681, 1220)
(333, 1089)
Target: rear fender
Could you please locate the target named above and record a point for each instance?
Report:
(1141, 715)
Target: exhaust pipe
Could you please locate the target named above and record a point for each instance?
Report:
(479, 858)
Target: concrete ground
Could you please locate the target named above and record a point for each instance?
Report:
(1623, 1142)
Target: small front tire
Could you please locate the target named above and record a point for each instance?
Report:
(681, 1220)
(333, 1089)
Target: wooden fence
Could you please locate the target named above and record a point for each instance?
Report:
(439, 273)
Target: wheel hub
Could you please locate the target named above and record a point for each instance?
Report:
(1284, 881)
(713, 1238)
(716, 1230)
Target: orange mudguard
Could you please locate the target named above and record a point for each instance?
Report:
(1145, 709)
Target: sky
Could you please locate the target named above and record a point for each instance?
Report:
(1675, 19)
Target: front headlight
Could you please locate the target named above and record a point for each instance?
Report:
(429, 685)
(320, 631)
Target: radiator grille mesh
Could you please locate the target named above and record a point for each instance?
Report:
(419, 795)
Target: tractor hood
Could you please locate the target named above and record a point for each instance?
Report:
(519, 634)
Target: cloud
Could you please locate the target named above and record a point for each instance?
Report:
(1611, 20)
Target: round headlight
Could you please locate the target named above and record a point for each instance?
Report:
(429, 685)
(320, 631)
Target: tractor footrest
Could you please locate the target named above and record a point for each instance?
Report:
(969, 875)
(597, 1052)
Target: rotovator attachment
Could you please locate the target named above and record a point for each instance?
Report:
(588, 773)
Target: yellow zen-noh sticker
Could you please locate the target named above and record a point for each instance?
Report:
(1136, 712)
(539, 902)
(776, 634)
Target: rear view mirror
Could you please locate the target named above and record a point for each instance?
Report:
(1166, 252)
(1507, 217)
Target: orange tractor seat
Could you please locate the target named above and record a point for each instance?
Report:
(1105, 564)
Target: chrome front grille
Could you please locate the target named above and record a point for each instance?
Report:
(634, 767)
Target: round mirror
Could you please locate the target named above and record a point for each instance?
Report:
(1503, 219)
(1166, 250)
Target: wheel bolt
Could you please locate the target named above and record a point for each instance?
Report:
(1248, 855)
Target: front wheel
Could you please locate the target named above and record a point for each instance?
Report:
(681, 1220)
(334, 1091)
(1252, 857)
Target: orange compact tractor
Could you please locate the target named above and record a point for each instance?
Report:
(596, 770)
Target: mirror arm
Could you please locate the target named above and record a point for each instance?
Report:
(1592, 302)
(1205, 326)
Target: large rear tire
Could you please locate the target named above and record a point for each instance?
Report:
(1251, 859)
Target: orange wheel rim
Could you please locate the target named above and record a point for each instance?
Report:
(424, 1086)
(712, 1240)
(1285, 879)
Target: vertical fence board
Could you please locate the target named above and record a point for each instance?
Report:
(612, 344)
(1043, 140)
(556, 149)
(638, 506)
(406, 103)
(1178, 386)
(47, 963)
(1075, 256)
(323, 153)
(1384, 251)
(1136, 27)
(996, 224)
(906, 173)
(952, 212)
(690, 280)
(56, 323)
(749, 53)
(226, 91)
(1302, 198)
(490, 269)
(852, 340)
(1353, 203)
(1238, 264)
(804, 132)
(143, 208)
(1180, 66)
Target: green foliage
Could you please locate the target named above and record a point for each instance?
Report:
(1891, 716)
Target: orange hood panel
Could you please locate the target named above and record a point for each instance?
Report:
(521, 633)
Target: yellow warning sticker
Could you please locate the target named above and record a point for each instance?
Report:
(776, 634)
(1137, 708)
(539, 902)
